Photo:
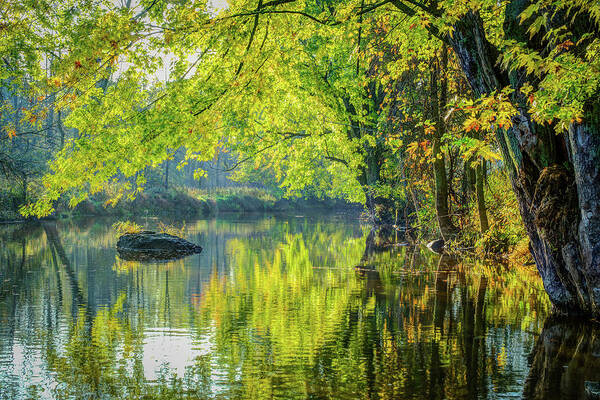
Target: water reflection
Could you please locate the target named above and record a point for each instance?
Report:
(565, 362)
(281, 307)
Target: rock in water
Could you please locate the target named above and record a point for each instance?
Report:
(437, 246)
(148, 245)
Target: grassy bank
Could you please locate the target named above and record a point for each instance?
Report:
(506, 232)
(189, 202)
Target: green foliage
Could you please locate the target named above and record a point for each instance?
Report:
(227, 192)
(506, 227)
(124, 227)
(172, 229)
(500, 239)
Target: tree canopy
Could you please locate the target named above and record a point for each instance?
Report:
(386, 103)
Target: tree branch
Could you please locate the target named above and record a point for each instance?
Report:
(372, 7)
(411, 12)
(263, 11)
(277, 3)
(331, 158)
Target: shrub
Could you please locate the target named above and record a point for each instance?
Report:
(506, 228)
(123, 227)
(171, 229)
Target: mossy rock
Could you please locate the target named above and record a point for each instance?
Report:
(149, 245)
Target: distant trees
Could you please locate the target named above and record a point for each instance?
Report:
(28, 144)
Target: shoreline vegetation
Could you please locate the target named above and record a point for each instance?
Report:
(188, 202)
(505, 241)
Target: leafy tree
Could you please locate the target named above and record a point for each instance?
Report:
(279, 77)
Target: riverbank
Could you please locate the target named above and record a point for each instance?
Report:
(505, 240)
(190, 202)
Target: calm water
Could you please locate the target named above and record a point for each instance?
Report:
(275, 307)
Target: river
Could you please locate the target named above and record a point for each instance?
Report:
(285, 307)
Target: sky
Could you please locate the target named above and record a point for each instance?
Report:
(213, 7)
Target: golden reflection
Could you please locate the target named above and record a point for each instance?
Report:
(271, 308)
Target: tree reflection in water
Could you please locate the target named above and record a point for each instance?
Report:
(288, 308)
(565, 361)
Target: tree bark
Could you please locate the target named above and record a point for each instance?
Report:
(468, 181)
(447, 228)
(380, 209)
(481, 209)
(556, 179)
(166, 174)
(438, 105)
(24, 189)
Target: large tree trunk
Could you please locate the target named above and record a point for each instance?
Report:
(380, 209)
(583, 254)
(556, 180)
